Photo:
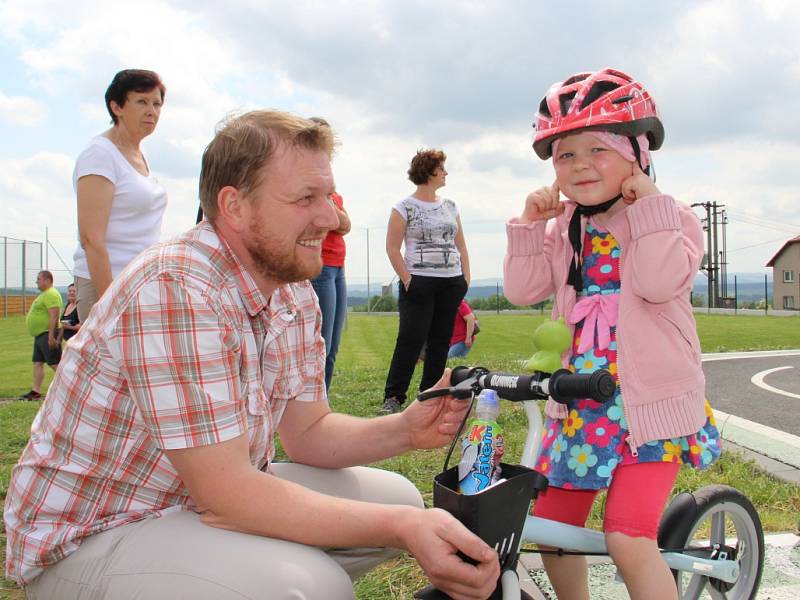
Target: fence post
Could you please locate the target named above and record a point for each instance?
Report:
(5, 276)
(23, 277)
(368, 294)
(766, 299)
(735, 297)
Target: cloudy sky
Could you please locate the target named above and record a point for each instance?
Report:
(392, 77)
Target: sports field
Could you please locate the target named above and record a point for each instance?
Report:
(504, 342)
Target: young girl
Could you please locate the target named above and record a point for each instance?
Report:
(619, 257)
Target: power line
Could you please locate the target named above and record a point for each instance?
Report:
(759, 244)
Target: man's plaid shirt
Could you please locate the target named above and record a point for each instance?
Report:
(185, 351)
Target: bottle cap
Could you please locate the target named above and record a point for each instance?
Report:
(489, 397)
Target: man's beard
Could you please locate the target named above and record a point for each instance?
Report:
(276, 262)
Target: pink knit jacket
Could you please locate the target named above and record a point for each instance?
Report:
(658, 351)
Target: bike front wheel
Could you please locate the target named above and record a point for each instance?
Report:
(714, 522)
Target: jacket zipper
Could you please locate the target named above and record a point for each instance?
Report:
(631, 443)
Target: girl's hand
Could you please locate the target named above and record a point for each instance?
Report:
(542, 204)
(638, 186)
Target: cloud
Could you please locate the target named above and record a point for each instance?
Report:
(21, 110)
(37, 198)
(465, 76)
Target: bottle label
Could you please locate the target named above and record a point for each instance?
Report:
(482, 448)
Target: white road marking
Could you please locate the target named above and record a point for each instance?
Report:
(758, 379)
(712, 356)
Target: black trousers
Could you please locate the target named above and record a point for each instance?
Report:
(427, 313)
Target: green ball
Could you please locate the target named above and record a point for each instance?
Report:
(552, 335)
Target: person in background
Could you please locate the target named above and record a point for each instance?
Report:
(464, 330)
(70, 323)
(433, 274)
(330, 284)
(42, 323)
(120, 201)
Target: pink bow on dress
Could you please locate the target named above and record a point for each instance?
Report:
(600, 312)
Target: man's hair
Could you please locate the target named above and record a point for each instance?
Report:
(424, 165)
(71, 285)
(243, 146)
(131, 80)
(47, 275)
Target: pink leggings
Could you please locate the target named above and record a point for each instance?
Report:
(634, 503)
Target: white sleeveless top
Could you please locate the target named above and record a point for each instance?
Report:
(431, 229)
(137, 206)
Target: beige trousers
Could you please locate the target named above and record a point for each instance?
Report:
(177, 557)
(87, 297)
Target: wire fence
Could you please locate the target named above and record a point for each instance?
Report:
(20, 263)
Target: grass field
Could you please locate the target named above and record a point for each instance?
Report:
(504, 341)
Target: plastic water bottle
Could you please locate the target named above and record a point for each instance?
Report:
(482, 447)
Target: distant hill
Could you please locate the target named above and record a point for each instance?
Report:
(750, 287)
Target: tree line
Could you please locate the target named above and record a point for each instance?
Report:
(388, 303)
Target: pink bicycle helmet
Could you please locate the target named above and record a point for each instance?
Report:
(608, 100)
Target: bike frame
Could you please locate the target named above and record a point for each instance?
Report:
(579, 539)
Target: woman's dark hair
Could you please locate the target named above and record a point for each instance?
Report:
(424, 165)
(131, 80)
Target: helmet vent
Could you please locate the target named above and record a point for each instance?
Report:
(600, 88)
(544, 110)
(575, 78)
(565, 100)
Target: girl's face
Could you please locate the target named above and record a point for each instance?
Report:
(588, 171)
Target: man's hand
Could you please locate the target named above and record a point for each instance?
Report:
(433, 423)
(52, 340)
(434, 537)
(542, 204)
(638, 185)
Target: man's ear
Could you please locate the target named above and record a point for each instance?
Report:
(233, 208)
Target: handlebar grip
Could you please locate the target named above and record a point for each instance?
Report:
(459, 374)
(565, 386)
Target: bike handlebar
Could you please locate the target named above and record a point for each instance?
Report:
(562, 385)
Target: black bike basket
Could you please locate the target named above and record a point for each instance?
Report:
(497, 514)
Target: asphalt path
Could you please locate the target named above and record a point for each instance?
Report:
(730, 388)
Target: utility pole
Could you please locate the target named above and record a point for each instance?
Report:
(715, 223)
(725, 255)
(716, 259)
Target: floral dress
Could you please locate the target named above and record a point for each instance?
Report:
(583, 450)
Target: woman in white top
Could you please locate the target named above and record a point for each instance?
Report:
(434, 276)
(120, 202)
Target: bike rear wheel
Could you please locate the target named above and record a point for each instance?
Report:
(715, 521)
